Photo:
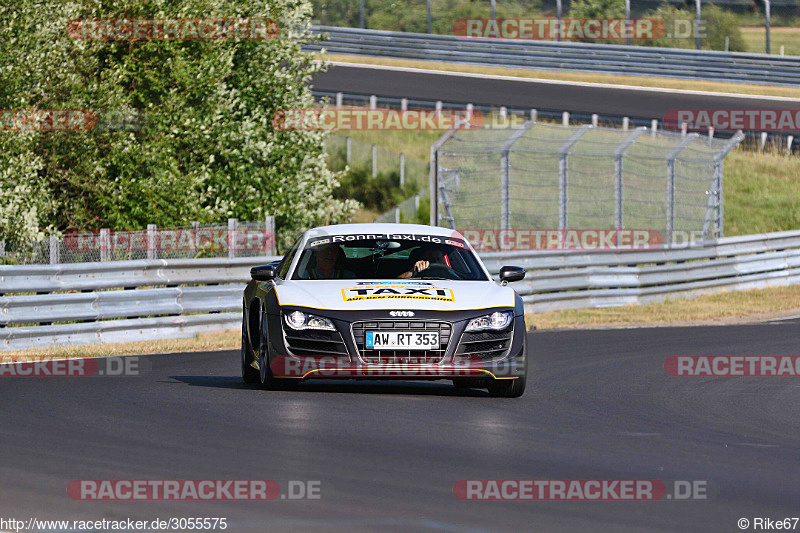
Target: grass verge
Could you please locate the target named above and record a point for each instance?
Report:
(755, 38)
(615, 79)
(224, 340)
(725, 307)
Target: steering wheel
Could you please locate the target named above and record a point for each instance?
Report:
(439, 271)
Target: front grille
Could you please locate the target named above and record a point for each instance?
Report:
(485, 344)
(390, 357)
(314, 342)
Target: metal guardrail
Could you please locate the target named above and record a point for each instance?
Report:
(547, 55)
(204, 295)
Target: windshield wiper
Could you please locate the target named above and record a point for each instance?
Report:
(434, 277)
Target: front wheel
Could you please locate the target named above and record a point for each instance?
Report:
(268, 380)
(249, 374)
(507, 388)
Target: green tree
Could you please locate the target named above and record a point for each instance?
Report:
(680, 28)
(207, 149)
(589, 9)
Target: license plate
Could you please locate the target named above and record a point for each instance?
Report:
(402, 340)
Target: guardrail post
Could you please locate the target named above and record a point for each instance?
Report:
(789, 141)
(503, 113)
(402, 169)
(105, 244)
(618, 184)
(374, 160)
(272, 238)
(404, 104)
(55, 250)
(348, 142)
(763, 140)
(626, 122)
(563, 174)
(373, 102)
(397, 214)
(505, 175)
(595, 119)
(231, 238)
(438, 106)
(653, 127)
(534, 115)
(152, 251)
(565, 118)
(671, 184)
(339, 97)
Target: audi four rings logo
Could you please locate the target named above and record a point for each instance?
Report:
(401, 313)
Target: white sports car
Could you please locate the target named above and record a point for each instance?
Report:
(384, 301)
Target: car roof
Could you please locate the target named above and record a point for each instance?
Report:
(382, 228)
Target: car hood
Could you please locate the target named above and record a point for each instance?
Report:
(355, 295)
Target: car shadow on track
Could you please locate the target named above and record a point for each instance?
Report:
(420, 388)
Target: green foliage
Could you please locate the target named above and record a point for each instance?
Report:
(380, 193)
(207, 150)
(587, 9)
(718, 25)
(412, 15)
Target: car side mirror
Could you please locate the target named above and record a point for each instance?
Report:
(263, 272)
(511, 273)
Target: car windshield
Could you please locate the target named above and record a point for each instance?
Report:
(388, 257)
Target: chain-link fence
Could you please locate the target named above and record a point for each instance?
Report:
(236, 239)
(547, 176)
(344, 150)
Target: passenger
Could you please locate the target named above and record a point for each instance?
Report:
(327, 264)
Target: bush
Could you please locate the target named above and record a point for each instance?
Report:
(380, 193)
(718, 25)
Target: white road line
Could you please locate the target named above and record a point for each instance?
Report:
(573, 83)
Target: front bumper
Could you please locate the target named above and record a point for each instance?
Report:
(340, 355)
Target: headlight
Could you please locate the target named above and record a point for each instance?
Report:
(497, 321)
(299, 320)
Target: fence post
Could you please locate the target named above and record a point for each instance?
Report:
(416, 202)
(195, 228)
(763, 140)
(430, 22)
(505, 175)
(563, 173)
(349, 143)
(55, 250)
(402, 169)
(272, 239)
(362, 19)
(618, 184)
(433, 175)
(671, 184)
(231, 238)
(105, 244)
(397, 214)
(152, 253)
(374, 160)
(789, 141)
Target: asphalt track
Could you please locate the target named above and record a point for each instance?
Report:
(575, 98)
(599, 406)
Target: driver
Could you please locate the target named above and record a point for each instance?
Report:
(423, 258)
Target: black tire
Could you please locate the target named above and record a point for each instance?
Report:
(265, 376)
(249, 374)
(507, 388)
